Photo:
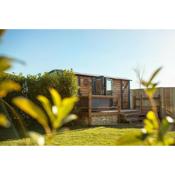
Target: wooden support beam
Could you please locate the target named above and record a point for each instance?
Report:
(146, 98)
(103, 96)
(89, 105)
(119, 104)
(121, 94)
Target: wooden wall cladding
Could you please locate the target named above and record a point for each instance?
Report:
(85, 85)
(120, 90)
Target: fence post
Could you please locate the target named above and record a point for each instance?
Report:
(134, 102)
(160, 106)
(141, 103)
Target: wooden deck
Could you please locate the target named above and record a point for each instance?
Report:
(124, 116)
(99, 110)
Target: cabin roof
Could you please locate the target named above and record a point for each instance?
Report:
(97, 75)
(92, 75)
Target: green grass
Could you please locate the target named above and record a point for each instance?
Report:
(97, 136)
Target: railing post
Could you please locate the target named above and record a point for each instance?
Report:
(119, 104)
(89, 105)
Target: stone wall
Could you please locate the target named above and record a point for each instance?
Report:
(104, 120)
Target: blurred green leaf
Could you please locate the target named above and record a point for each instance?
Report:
(67, 105)
(148, 126)
(61, 108)
(37, 138)
(8, 86)
(58, 113)
(69, 118)
(5, 63)
(47, 107)
(150, 92)
(168, 140)
(155, 133)
(144, 83)
(150, 86)
(165, 126)
(32, 109)
(55, 97)
(153, 118)
(64, 109)
(151, 122)
(154, 75)
(4, 121)
(2, 31)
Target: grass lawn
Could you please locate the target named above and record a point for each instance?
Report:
(97, 136)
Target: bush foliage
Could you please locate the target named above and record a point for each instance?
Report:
(65, 82)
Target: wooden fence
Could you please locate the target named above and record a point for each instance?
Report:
(164, 98)
(142, 103)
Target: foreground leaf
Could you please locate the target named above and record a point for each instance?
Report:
(8, 86)
(33, 110)
(2, 31)
(69, 118)
(165, 126)
(154, 75)
(65, 108)
(37, 138)
(151, 122)
(55, 97)
(3, 121)
(5, 63)
(47, 107)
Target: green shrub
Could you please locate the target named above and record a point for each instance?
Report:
(65, 82)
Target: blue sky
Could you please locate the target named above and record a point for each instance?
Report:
(106, 52)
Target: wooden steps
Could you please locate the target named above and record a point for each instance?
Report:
(132, 117)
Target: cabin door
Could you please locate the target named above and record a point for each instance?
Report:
(98, 85)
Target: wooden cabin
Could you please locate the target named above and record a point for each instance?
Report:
(104, 86)
(102, 99)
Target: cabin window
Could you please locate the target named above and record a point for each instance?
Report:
(98, 86)
(108, 86)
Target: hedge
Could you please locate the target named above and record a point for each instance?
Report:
(65, 82)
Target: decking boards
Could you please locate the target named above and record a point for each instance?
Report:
(132, 116)
(126, 115)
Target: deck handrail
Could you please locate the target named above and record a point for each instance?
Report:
(90, 109)
(98, 96)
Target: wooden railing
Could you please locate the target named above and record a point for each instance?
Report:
(86, 103)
